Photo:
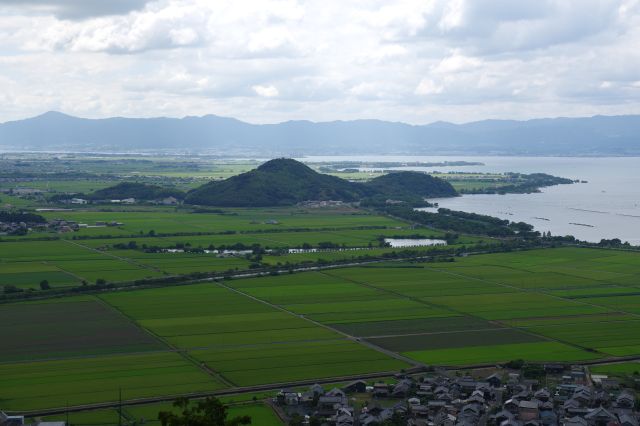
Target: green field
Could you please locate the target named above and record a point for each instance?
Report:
(260, 414)
(479, 309)
(96, 253)
(564, 304)
(245, 341)
(75, 381)
(68, 329)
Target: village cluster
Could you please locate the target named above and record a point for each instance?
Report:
(565, 397)
(53, 225)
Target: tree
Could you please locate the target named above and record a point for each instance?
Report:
(296, 420)
(208, 412)
(315, 421)
(101, 282)
(44, 285)
(11, 289)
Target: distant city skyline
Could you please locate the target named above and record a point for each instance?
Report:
(267, 61)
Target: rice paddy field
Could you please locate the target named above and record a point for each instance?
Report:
(565, 305)
(260, 414)
(97, 252)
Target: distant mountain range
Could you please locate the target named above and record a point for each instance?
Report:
(54, 131)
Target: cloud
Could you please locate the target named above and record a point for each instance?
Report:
(504, 26)
(266, 91)
(75, 9)
(428, 87)
(272, 60)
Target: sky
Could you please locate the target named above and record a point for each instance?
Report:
(265, 61)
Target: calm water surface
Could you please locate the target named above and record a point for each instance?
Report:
(607, 206)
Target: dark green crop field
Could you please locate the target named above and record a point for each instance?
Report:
(68, 328)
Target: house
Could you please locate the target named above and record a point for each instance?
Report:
(583, 395)
(571, 405)
(511, 405)
(413, 401)
(435, 406)
(542, 394)
(608, 383)
(528, 410)
(554, 368)
(444, 419)
(548, 418)
(288, 397)
(6, 420)
(331, 402)
(359, 386)
(502, 416)
(625, 400)
(471, 410)
(344, 420)
(336, 392)
(600, 417)
(380, 390)
(494, 380)
(402, 388)
(511, 422)
(575, 421)
(628, 420)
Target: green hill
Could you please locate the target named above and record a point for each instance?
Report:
(283, 182)
(411, 184)
(279, 182)
(139, 191)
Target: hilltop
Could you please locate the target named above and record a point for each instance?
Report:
(283, 182)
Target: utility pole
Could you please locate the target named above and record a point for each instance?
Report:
(119, 406)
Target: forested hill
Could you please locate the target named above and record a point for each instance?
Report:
(286, 182)
(139, 191)
(411, 184)
(275, 183)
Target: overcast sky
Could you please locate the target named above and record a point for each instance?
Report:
(416, 61)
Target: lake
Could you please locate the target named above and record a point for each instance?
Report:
(411, 242)
(607, 206)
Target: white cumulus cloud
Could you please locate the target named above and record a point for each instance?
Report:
(273, 60)
(266, 91)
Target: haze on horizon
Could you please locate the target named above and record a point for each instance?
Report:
(266, 61)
